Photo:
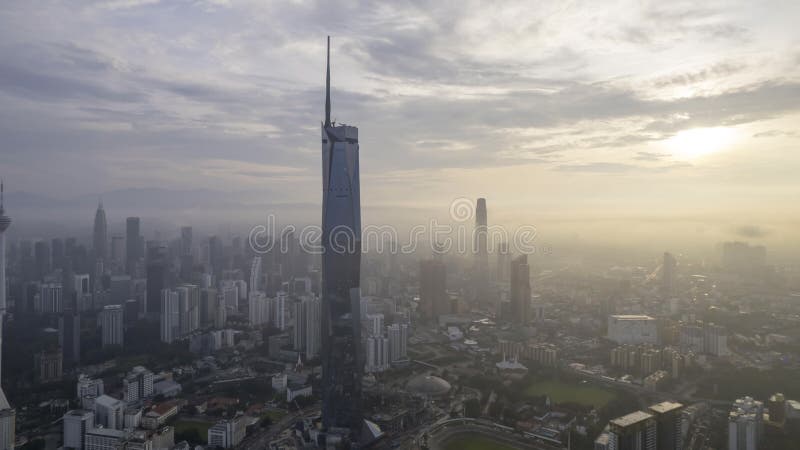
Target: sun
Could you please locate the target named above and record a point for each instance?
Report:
(698, 142)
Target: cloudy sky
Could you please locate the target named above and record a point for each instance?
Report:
(556, 111)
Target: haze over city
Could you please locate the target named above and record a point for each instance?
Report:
(415, 225)
(664, 120)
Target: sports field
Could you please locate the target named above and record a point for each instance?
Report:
(475, 442)
(582, 394)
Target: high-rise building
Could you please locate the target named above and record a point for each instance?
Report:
(745, 424)
(69, 336)
(433, 297)
(186, 240)
(668, 417)
(227, 433)
(100, 234)
(111, 322)
(377, 354)
(258, 309)
(76, 423)
(49, 366)
(118, 250)
(8, 415)
(502, 261)
(632, 329)
(105, 439)
(133, 244)
(481, 243)
(342, 362)
(208, 306)
(256, 274)
(88, 388)
(156, 279)
(108, 412)
(278, 309)
(50, 299)
(170, 316)
(312, 306)
(138, 384)
(520, 290)
(398, 342)
(635, 431)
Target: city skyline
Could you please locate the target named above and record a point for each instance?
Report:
(604, 117)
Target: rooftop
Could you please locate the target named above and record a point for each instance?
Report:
(631, 419)
(665, 407)
(631, 317)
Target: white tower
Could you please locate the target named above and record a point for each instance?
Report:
(7, 414)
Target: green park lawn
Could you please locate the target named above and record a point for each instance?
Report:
(560, 392)
(182, 426)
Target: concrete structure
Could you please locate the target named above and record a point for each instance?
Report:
(170, 322)
(227, 433)
(745, 424)
(669, 422)
(111, 320)
(520, 290)
(138, 384)
(105, 439)
(377, 352)
(76, 423)
(342, 361)
(398, 342)
(635, 431)
(108, 412)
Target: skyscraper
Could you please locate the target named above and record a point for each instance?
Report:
(635, 431)
(433, 296)
(342, 361)
(8, 416)
(100, 234)
(668, 425)
(111, 324)
(481, 237)
(133, 244)
(520, 290)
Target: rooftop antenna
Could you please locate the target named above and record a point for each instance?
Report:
(328, 87)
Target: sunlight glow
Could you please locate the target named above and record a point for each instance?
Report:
(699, 142)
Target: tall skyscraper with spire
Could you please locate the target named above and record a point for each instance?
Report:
(8, 416)
(100, 234)
(342, 358)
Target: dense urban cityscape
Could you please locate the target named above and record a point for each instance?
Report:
(475, 332)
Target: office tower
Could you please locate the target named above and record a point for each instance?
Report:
(118, 250)
(342, 364)
(398, 342)
(120, 287)
(69, 337)
(299, 328)
(312, 327)
(715, 339)
(133, 244)
(221, 314)
(230, 294)
(189, 308)
(108, 412)
(111, 323)
(373, 324)
(745, 423)
(41, 251)
(258, 309)
(100, 234)
(170, 316)
(186, 240)
(635, 431)
(50, 299)
(377, 354)
(520, 290)
(668, 273)
(76, 423)
(480, 249)
(433, 297)
(208, 306)
(138, 384)
(215, 255)
(668, 417)
(278, 308)
(256, 274)
(156, 278)
(502, 261)
(49, 366)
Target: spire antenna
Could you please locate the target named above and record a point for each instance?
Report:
(328, 87)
